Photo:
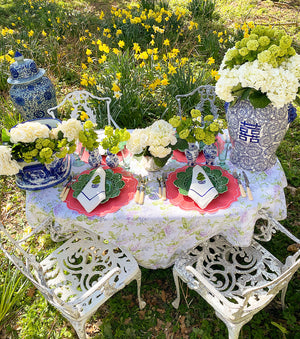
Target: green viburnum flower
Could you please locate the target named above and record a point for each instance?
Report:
(184, 134)
(243, 51)
(208, 118)
(291, 51)
(46, 153)
(34, 153)
(199, 134)
(264, 56)
(285, 42)
(214, 126)
(175, 121)
(244, 42)
(39, 143)
(63, 152)
(253, 36)
(264, 41)
(88, 125)
(232, 53)
(109, 131)
(195, 113)
(209, 139)
(274, 50)
(82, 137)
(252, 45)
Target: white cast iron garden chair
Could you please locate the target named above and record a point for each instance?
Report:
(204, 95)
(237, 282)
(78, 276)
(84, 101)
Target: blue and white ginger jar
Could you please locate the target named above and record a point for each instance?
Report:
(255, 134)
(32, 93)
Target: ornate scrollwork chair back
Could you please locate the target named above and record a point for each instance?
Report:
(85, 101)
(199, 98)
(237, 282)
(78, 276)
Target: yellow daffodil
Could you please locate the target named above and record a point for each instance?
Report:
(83, 116)
(215, 74)
(115, 88)
(171, 69)
(88, 52)
(84, 82)
(165, 82)
(211, 61)
(102, 59)
(144, 55)
(116, 51)
(121, 43)
(166, 42)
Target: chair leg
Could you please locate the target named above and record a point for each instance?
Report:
(234, 330)
(79, 327)
(176, 302)
(142, 303)
(283, 292)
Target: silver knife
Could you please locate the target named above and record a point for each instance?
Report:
(250, 196)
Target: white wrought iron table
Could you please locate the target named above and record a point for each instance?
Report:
(158, 232)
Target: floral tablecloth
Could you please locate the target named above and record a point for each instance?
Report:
(158, 232)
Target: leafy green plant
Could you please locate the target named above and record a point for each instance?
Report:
(203, 9)
(12, 289)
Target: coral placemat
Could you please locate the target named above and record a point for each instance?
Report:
(112, 205)
(180, 157)
(223, 201)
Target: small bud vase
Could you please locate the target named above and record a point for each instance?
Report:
(112, 160)
(191, 153)
(95, 158)
(210, 153)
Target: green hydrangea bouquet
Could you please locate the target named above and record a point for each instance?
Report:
(195, 128)
(34, 141)
(115, 139)
(263, 67)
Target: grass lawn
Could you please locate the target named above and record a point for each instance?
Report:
(142, 62)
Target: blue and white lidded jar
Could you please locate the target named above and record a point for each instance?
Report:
(32, 93)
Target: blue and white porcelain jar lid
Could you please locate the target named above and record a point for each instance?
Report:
(24, 70)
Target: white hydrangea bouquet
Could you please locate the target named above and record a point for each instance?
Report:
(35, 141)
(263, 67)
(157, 141)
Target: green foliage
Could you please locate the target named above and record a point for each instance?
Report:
(202, 9)
(39, 320)
(12, 289)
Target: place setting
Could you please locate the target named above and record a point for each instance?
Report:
(102, 190)
(203, 188)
